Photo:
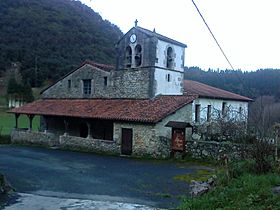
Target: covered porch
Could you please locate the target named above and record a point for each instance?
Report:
(68, 132)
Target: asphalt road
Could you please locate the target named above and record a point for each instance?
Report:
(66, 174)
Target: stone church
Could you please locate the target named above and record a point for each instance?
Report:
(137, 107)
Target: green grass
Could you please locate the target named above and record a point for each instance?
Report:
(7, 122)
(199, 175)
(246, 192)
(3, 101)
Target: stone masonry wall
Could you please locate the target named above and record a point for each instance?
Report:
(38, 138)
(127, 83)
(66, 142)
(61, 89)
(88, 144)
(144, 140)
(148, 45)
(216, 150)
(131, 83)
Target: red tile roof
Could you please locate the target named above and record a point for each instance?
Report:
(136, 110)
(203, 90)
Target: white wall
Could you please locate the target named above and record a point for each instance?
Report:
(216, 106)
(15, 102)
(163, 87)
(161, 55)
(181, 115)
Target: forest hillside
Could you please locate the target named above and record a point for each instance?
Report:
(263, 82)
(51, 37)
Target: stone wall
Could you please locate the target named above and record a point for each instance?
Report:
(61, 89)
(22, 136)
(147, 43)
(132, 83)
(88, 144)
(216, 150)
(39, 138)
(154, 140)
(144, 140)
(126, 83)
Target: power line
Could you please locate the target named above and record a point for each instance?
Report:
(212, 35)
(249, 91)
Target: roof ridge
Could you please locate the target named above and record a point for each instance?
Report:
(160, 36)
(97, 64)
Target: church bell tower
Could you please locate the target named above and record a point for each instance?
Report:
(156, 61)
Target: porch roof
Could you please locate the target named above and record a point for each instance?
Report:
(134, 110)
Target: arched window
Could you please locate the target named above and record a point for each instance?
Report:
(169, 58)
(138, 55)
(128, 57)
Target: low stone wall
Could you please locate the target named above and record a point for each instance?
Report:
(88, 144)
(216, 150)
(24, 136)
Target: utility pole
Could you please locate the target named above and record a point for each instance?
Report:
(277, 132)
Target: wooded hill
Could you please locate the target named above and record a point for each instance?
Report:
(51, 37)
(263, 82)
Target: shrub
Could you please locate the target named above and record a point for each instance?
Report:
(238, 168)
(261, 153)
(5, 139)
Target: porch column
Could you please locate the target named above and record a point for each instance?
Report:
(89, 130)
(30, 116)
(66, 125)
(45, 125)
(16, 117)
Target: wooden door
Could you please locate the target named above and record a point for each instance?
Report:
(126, 148)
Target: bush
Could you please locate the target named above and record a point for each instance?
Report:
(5, 139)
(238, 168)
(261, 153)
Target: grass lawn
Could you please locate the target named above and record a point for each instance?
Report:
(245, 192)
(3, 101)
(7, 122)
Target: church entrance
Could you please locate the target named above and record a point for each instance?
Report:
(126, 148)
(83, 130)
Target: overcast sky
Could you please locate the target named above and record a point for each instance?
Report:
(247, 30)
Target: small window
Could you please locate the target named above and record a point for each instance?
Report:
(240, 110)
(224, 109)
(69, 84)
(128, 57)
(87, 87)
(138, 55)
(197, 113)
(169, 58)
(105, 81)
(209, 110)
(168, 77)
